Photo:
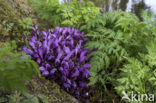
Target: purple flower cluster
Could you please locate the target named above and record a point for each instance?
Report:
(61, 57)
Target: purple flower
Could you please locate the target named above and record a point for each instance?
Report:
(77, 92)
(32, 45)
(33, 38)
(48, 66)
(74, 85)
(61, 57)
(38, 60)
(40, 52)
(42, 69)
(66, 85)
(50, 57)
(85, 73)
(45, 73)
(53, 71)
(27, 51)
(75, 73)
(87, 66)
(82, 59)
(67, 49)
(83, 84)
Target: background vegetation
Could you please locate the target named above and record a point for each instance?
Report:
(124, 58)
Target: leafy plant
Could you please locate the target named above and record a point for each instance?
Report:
(116, 35)
(76, 13)
(25, 97)
(72, 14)
(139, 76)
(5, 28)
(3, 100)
(15, 69)
(26, 24)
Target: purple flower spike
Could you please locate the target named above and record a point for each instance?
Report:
(61, 57)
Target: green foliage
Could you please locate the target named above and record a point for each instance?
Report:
(25, 24)
(117, 36)
(10, 30)
(72, 14)
(76, 13)
(5, 28)
(38, 98)
(25, 97)
(139, 75)
(11, 12)
(3, 100)
(16, 97)
(47, 9)
(15, 69)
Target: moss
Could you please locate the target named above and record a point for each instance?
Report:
(51, 90)
(5, 11)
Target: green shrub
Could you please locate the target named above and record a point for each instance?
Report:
(116, 36)
(15, 69)
(139, 75)
(72, 14)
(19, 97)
(15, 31)
(25, 24)
(5, 28)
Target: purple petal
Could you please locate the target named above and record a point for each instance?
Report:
(74, 85)
(75, 74)
(85, 73)
(77, 92)
(45, 73)
(33, 39)
(38, 60)
(36, 27)
(51, 57)
(53, 71)
(40, 51)
(63, 78)
(66, 85)
(87, 66)
(42, 69)
(32, 44)
(67, 49)
(48, 66)
(83, 58)
(27, 51)
(68, 81)
(83, 85)
(71, 65)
